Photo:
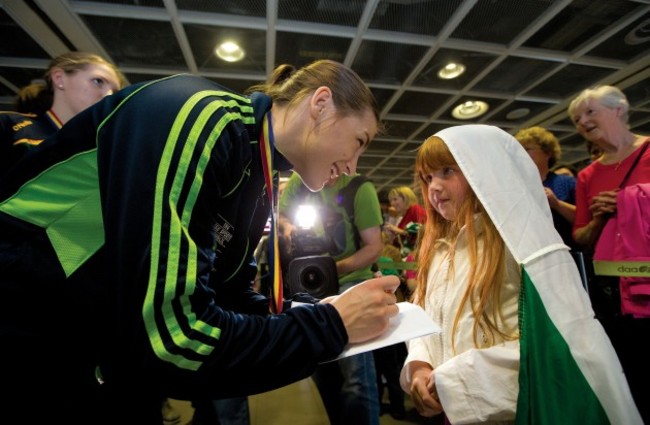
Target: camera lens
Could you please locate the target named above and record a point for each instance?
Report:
(315, 275)
(312, 278)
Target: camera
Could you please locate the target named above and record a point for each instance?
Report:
(311, 270)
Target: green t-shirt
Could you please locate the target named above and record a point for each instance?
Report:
(367, 214)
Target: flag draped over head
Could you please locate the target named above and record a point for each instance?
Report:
(569, 371)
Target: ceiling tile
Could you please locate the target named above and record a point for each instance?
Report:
(430, 130)
(492, 104)
(474, 61)
(521, 73)
(426, 17)
(499, 21)
(401, 129)
(418, 103)
(335, 12)
(205, 39)
(231, 7)
(301, 49)
(568, 81)
(579, 22)
(630, 42)
(518, 112)
(137, 41)
(384, 62)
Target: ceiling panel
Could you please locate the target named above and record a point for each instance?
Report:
(517, 112)
(386, 62)
(626, 44)
(474, 62)
(563, 82)
(412, 103)
(335, 12)
(499, 21)
(401, 130)
(137, 42)
(526, 58)
(204, 38)
(231, 7)
(520, 71)
(413, 17)
(301, 49)
(579, 22)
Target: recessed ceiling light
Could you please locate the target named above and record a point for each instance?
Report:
(451, 70)
(230, 51)
(515, 114)
(470, 109)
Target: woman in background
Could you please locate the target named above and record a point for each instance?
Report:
(601, 117)
(544, 149)
(406, 205)
(73, 82)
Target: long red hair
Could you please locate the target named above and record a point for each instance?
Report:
(486, 272)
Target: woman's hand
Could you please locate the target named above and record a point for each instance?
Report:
(602, 206)
(552, 199)
(604, 203)
(367, 307)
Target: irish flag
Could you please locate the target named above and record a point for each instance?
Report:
(569, 371)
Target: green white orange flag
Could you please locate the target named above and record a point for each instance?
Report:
(569, 372)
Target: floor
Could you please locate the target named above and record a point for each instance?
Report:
(300, 404)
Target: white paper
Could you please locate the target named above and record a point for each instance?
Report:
(411, 322)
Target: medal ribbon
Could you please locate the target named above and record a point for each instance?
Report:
(266, 148)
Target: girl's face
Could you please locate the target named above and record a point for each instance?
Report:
(595, 122)
(447, 189)
(333, 147)
(398, 203)
(85, 87)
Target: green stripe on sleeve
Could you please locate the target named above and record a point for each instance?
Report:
(178, 229)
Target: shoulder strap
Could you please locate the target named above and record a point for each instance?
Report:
(345, 198)
(636, 161)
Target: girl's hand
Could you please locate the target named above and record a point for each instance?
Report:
(423, 392)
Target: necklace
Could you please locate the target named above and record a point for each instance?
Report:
(624, 155)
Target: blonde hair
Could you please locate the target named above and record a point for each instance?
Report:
(288, 86)
(544, 139)
(406, 193)
(486, 272)
(37, 97)
(609, 96)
